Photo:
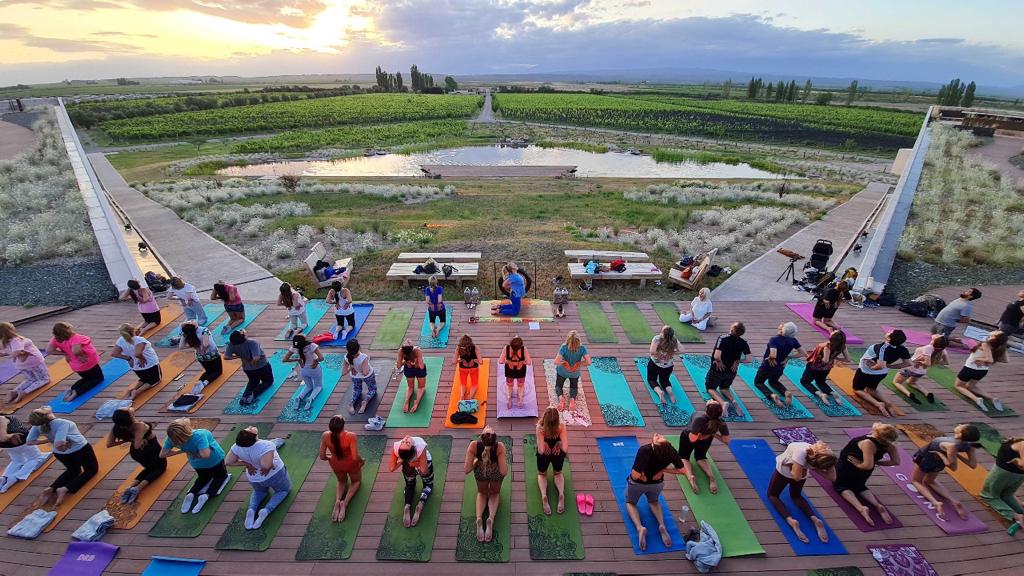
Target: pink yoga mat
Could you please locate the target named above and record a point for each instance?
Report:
(924, 338)
(84, 559)
(529, 409)
(902, 560)
(804, 434)
(805, 310)
(900, 475)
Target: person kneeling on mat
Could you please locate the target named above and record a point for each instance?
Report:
(1004, 479)
(485, 458)
(411, 455)
(703, 430)
(265, 471)
(857, 461)
(647, 479)
(940, 453)
(791, 469)
(254, 364)
(145, 450)
(204, 455)
(776, 354)
(69, 447)
(515, 284)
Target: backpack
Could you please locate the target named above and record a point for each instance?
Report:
(915, 308)
(463, 418)
(469, 406)
(618, 265)
(448, 269)
(925, 306)
(156, 282)
(714, 270)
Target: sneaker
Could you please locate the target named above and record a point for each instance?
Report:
(250, 519)
(200, 502)
(129, 495)
(997, 404)
(981, 404)
(374, 424)
(931, 398)
(260, 518)
(186, 504)
(731, 410)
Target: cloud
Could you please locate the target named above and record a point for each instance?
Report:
(64, 45)
(940, 41)
(294, 13)
(71, 4)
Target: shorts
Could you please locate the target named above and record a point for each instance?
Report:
(823, 312)
(946, 331)
(436, 316)
(862, 381)
(698, 449)
(234, 308)
(967, 374)
(715, 379)
(556, 461)
(151, 317)
(515, 373)
(928, 462)
(149, 376)
(651, 491)
(414, 372)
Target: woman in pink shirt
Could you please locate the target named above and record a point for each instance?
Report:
(81, 356)
(233, 305)
(27, 360)
(147, 304)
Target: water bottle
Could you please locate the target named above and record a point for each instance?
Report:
(684, 514)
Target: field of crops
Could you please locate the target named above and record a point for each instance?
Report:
(355, 136)
(323, 112)
(645, 115)
(88, 114)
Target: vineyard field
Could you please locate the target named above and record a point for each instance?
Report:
(355, 136)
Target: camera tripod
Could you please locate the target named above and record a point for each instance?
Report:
(790, 271)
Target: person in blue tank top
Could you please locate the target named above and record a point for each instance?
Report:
(515, 284)
(434, 298)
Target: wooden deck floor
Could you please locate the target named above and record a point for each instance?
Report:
(605, 539)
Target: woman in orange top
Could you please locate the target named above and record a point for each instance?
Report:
(340, 449)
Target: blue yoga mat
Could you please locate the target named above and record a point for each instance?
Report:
(757, 459)
(618, 453)
(169, 566)
(442, 338)
(281, 372)
(251, 312)
(795, 369)
(315, 310)
(213, 311)
(794, 412)
(697, 367)
(362, 313)
(112, 370)
(292, 412)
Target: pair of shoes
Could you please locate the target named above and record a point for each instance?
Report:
(375, 424)
(585, 504)
(997, 404)
(914, 399)
(981, 404)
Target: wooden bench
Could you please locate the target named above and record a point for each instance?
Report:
(607, 255)
(675, 275)
(317, 253)
(642, 271)
(404, 271)
(441, 257)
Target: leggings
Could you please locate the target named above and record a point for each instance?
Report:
(410, 473)
(1000, 492)
(297, 321)
(513, 308)
(312, 383)
(658, 376)
(349, 319)
(815, 381)
(81, 466)
(212, 369)
(770, 375)
(574, 385)
(357, 388)
(259, 380)
(153, 466)
(470, 375)
(214, 476)
(775, 487)
(196, 312)
(88, 380)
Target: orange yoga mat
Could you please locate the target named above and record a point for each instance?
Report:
(170, 368)
(168, 315)
(230, 367)
(971, 479)
(8, 497)
(483, 385)
(59, 370)
(842, 377)
(126, 516)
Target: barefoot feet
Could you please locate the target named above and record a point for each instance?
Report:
(796, 530)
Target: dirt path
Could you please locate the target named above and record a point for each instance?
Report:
(486, 113)
(999, 151)
(14, 140)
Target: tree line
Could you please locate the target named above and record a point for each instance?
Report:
(420, 82)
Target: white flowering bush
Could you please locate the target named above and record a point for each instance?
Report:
(695, 192)
(185, 195)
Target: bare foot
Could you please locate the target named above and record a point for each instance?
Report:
(406, 520)
(489, 531)
(796, 530)
(820, 527)
(547, 505)
(405, 408)
(824, 397)
(363, 405)
(960, 511)
(713, 485)
(480, 530)
(561, 504)
(43, 499)
(778, 402)
(61, 493)
(641, 538)
(416, 514)
(866, 514)
(572, 404)
(665, 538)
(693, 484)
(561, 403)
(415, 406)
(342, 512)
(509, 404)
(940, 509)
(336, 511)
(351, 409)
(789, 399)
(884, 513)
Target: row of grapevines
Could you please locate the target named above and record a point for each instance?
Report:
(354, 136)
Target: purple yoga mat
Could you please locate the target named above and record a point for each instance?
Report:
(84, 559)
(529, 409)
(902, 560)
(804, 434)
(7, 371)
(923, 338)
(805, 310)
(900, 475)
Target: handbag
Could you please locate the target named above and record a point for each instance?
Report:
(687, 272)
(469, 406)
(448, 269)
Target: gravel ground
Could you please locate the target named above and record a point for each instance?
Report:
(75, 282)
(909, 280)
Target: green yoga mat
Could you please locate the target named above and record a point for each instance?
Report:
(499, 549)
(991, 439)
(595, 322)
(326, 540)
(841, 571)
(669, 315)
(922, 406)
(416, 543)
(174, 524)
(392, 329)
(558, 536)
(633, 323)
(947, 379)
(421, 417)
(298, 455)
(618, 407)
(721, 511)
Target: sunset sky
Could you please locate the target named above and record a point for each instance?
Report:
(50, 40)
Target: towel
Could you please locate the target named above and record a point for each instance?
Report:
(94, 528)
(705, 553)
(31, 526)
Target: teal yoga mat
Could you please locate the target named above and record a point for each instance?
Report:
(213, 312)
(112, 370)
(677, 414)
(315, 310)
(251, 312)
(293, 412)
(795, 369)
(796, 411)
(697, 367)
(420, 418)
(281, 372)
(595, 322)
(618, 406)
(442, 338)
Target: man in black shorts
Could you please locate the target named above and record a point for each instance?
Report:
(874, 366)
(825, 308)
(725, 361)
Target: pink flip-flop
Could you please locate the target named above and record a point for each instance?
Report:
(589, 501)
(581, 503)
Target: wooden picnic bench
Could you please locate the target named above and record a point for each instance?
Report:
(405, 271)
(440, 257)
(642, 271)
(703, 262)
(607, 255)
(319, 252)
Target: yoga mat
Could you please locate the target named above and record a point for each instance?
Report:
(902, 560)
(923, 406)
(385, 377)
(920, 338)
(697, 367)
(529, 408)
(127, 516)
(991, 439)
(947, 379)
(842, 377)
(171, 368)
(281, 372)
(298, 455)
(530, 311)
(112, 370)
(841, 571)
(392, 329)
(168, 314)
(900, 475)
(633, 322)
(14, 491)
(170, 566)
(618, 407)
(326, 540)
(251, 312)
(483, 385)
(578, 417)
(595, 322)
(416, 543)
(795, 411)
(757, 460)
(362, 313)
(7, 371)
(669, 315)
(293, 412)
(971, 479)
(315, 310)
(794, 370)
(558, 536)
(421, 417)
(59, 370)
(84, 559)
(618, 453)
(677, 414)
(229, 368)
(426, 341)
(499, 549)
(805, 310)
(174, 524)
(720, 510)
(213, 312)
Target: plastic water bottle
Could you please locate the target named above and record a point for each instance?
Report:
(684, 514)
